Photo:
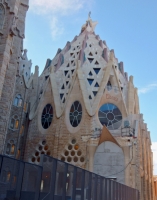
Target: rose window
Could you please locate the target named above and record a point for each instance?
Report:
(75, 114)
(47, 116)
(110, 116)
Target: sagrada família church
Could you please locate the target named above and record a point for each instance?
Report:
(83, 109)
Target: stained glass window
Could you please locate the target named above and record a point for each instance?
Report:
(47, 116)
(75, 114)
(2, 15)
(18, 100)
(110, 116)
(14, 123)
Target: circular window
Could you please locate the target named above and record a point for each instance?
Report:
(40, 148)
(69, 159)
(110, 116)
(46, 148)
(79, 153)
(76, 147)
(36, 153)
(82, 159)
(70, 147)
(73, 141)
(47, 116)
(66, 153)
(73, 153)
(43, 142)
(75, 159)
(75, 114)
(48, 153)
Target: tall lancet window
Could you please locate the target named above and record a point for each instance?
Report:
(2, 16)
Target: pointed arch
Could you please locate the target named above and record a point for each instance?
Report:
(2, 16)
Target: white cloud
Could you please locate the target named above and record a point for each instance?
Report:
(57, 29)
(154, 149)
(55, 9)
(53, 6)
(148, 88)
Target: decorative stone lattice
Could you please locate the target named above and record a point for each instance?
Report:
(68, 69)
(93, 66)
(42, 148)
(72, 154)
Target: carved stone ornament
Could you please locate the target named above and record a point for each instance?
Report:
(13, 29)
(90, 25)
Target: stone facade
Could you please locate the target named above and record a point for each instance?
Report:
(82, 109)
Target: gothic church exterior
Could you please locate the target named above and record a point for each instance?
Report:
(83, 109)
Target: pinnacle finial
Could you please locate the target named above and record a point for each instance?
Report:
(89, 14)
(90, 25)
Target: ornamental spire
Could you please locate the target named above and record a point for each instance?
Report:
(90, 25)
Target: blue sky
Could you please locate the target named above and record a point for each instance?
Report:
(128, 26)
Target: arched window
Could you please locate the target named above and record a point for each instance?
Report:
(10, 150)
(14, 124)
(18, 101)
(2, 16)
(6, 175)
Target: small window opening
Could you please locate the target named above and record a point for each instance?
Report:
(90, 60)
(97, 70)
(90, 97)
(12, 149)
(90, 81)
(2, 16)
(8, 149)
(18, 101)
(65, 72)
(61, 96)
(46, 77)
(14, 124)
(90, 73)
(95, 93)
(96, 63)
(96, 85)
(8, 176)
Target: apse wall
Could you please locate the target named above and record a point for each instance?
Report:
(109, 161)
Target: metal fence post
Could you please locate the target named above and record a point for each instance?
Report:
(20, 180)
(64, 181)
(95, 187)
(89, 185)
(74, 184)
(1, 163)
(53, 179)
(82, 184)
(101, 187)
